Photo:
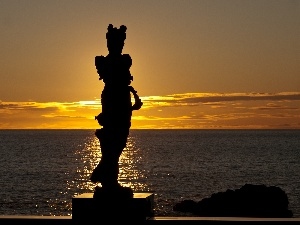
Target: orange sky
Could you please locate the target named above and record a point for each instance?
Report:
(209, 64)
(180, 111)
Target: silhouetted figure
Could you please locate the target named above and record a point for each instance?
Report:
(115, 118)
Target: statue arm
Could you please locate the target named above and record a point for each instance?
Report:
(99, 63)
(137, 101)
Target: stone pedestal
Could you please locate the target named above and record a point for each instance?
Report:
(110, 208)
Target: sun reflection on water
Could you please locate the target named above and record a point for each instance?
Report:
(88, 158)
(129, 174)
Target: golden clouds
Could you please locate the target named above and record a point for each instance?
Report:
(47, 115)
(221, 111)
(180, 111)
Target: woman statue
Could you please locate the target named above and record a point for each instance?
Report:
(115, 118)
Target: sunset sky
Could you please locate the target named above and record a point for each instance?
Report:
(200, 64)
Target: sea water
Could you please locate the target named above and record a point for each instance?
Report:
(42, 170)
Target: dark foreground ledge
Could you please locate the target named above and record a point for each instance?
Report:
(138, 210)
(67, 220)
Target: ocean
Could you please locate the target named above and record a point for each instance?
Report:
(42, 170)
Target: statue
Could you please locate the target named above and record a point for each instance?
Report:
(115, 118)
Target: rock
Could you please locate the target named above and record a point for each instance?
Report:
(248, 201)
(185, 206)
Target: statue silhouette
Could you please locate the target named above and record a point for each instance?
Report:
(115, 118)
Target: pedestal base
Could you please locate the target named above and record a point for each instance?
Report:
(138, 208)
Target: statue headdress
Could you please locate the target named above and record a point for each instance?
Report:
(115, 38)
(115, 33)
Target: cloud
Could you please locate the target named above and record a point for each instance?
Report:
(62, 116)
(187, 110)
(217, 98)
(36, 115)
(10, 106)
(47, 106)
(273, 106)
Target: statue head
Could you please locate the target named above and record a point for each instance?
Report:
(115, 39)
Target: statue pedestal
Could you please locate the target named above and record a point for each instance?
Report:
(109, 208)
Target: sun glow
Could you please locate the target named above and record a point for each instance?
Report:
(181, 111)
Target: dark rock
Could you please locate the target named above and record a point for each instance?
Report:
(185, 206)
(248, 201)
